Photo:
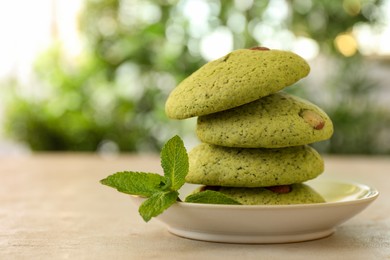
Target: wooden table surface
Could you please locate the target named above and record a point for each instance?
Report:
(52, 206)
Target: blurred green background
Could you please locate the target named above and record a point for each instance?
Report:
(111, 97)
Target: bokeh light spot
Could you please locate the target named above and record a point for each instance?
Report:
(346, 44)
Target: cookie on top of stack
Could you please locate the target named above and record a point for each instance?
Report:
(254, 137)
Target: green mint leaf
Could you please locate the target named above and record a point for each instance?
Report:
(135, 183)
(162, 191)
(211, 197)
(174, 161)
(157, 203)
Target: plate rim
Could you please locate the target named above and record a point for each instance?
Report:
(373, 193)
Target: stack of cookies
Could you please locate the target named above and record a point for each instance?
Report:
(254, 137)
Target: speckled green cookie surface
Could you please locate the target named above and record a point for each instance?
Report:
(299, 194)
(278, 120)
(242, 167)
(233, 80)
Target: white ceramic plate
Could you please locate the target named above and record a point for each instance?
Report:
(268, 224)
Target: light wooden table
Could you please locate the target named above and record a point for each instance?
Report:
(52, 206)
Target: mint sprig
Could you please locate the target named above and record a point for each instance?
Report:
(162, 191)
